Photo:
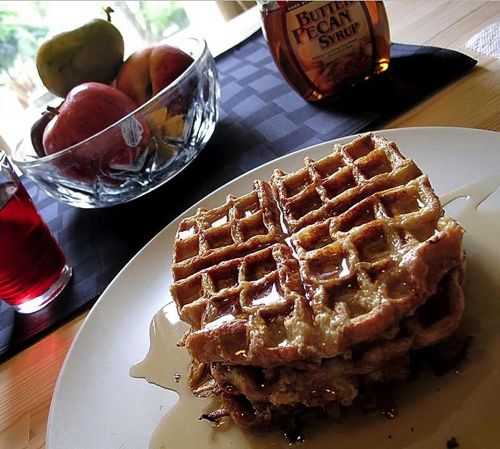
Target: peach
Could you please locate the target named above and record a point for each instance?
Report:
(146, 72)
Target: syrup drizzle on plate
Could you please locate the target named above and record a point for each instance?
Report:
(162, 366)
(476, 192)
(180, 427)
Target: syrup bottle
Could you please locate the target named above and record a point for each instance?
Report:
(322, 47)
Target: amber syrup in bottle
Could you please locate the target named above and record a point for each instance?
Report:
(321, 48)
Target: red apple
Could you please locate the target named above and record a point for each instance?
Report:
(88, 109)
(146, 72)
(167, 63)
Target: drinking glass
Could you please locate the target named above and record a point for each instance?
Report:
(33, 269)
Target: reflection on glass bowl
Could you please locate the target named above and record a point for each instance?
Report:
(139, 152)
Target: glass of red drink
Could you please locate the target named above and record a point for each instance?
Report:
(33, 269)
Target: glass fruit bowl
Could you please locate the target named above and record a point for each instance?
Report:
(141, 151)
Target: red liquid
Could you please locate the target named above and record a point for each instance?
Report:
(30, 259)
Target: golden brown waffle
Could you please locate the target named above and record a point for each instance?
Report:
(336, 182)
(311, 280)
(334, 379)
(246, 309)
(241, 225)
(377, 262)
(257, 397)
(362, 272)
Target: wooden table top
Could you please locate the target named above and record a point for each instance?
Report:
(27, 380)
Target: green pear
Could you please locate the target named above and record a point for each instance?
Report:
(93, 52)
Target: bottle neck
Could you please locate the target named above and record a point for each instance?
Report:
(268, 5)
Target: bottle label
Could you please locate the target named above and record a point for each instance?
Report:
(332, 42)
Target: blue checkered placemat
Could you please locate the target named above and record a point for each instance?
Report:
(261, 118)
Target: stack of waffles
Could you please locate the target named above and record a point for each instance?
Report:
(316, 283)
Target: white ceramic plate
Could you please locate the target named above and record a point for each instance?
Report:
(97, 405)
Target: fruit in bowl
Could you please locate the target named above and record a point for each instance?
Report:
(103, 146)
(146, 72)
(69, 64)
(92, 52)
(88, 109)
(109, 142)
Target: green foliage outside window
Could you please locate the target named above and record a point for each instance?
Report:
(19, 40)
(152, 19)
(22, 34)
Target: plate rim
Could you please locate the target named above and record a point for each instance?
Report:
(94, 308)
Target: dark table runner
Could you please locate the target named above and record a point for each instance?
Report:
(261, 118)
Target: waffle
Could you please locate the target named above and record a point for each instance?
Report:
(318, 276)
(337, 379)
(240, 226)
(258, 397)
(333, 184)
(253, 294)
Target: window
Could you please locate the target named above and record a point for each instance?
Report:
(25, 25)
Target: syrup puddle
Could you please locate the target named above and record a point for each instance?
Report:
(431, 409)
(475, 208)
(163, 364)
(180, 427)
(476, 192)
(164, 332)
